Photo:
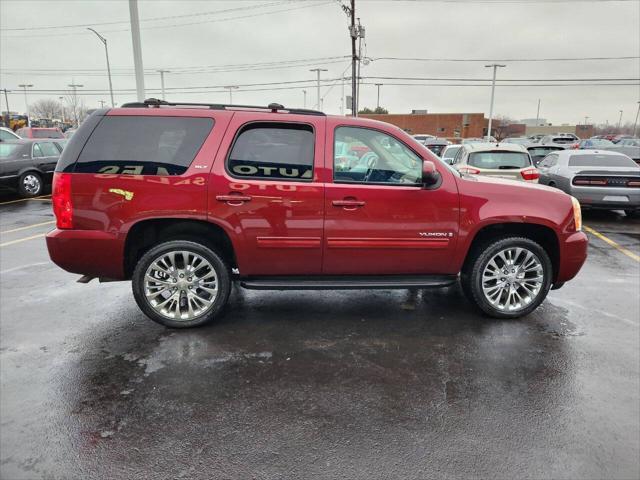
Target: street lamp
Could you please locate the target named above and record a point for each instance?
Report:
(495, 67)
(231, 88)
(24, 87)
(106, 52)
(635, 124)
(62, 105)
(304, 92)
(378, 101)
(620, 121)
(162, 72)
(318, 70)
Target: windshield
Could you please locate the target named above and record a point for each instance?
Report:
(450, 152)
(595, 160)
(597, 142)
(499, 160)
(437, 149)
(8, 149)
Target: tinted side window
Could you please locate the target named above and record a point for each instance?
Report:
(48, 149)
(273, 151)
(37, 152)
(143, 145)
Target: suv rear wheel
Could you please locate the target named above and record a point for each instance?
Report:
(181, 284)
(509, 277)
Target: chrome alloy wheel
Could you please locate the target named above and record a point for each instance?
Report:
(31, 184)
(512, 279)
(181, 285)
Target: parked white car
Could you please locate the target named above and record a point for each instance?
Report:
(505, 160)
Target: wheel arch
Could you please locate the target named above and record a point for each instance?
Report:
(541, 234)
(145, 234)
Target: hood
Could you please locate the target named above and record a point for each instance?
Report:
(503, 182)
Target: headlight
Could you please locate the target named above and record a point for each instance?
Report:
(577, 213)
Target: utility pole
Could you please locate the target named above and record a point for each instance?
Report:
(360, 31)
(620, 121)
(106, 52)
(74, 87)
(137, 48)
(354, 59)
(62, 105)
(318, 70)
(162, 72)
(24, 87)
(493, 89)
(231, 88)
(378, 101)
(342, 99)
(635, 124)
(538, 114)
(8, 116)
(304, 92)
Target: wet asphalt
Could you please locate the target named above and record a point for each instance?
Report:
(287, 385)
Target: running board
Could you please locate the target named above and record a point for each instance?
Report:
(343, 282)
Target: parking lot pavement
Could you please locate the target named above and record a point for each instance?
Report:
(354, 384)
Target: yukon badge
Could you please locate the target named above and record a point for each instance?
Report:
(436, 234)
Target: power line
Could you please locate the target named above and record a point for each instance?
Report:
(299, 7)
(574, 59)
(509, 80)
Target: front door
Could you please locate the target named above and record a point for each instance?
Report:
(265, 186)
(379, 219)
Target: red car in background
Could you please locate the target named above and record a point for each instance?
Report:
(38, 132)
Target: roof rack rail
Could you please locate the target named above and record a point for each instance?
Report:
(273, 107)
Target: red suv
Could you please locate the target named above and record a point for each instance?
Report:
(184, 199)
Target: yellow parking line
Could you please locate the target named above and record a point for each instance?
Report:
(6, 244)
(615, 245)
(44, 197)
(27, 227)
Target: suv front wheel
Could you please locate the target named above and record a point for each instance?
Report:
(509, 277)
(181, 284)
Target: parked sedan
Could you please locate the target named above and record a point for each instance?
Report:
(7, 135)
(449, 153)
(490, 159)
(592, 144)
(597, 178)
(27, 165)
(629, 147)
(436, 145)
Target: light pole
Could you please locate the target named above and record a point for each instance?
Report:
(231, 88)
(586, 119)
(378, 102)
(635, 124)
(7, 119)
(304, 92)
(493, 89)
(162, 72)
(318, 70)
(137, 48)
(62, 105)
(24, 87)
(619, 121)
(74, 87)
(538, 113)
(106, 52)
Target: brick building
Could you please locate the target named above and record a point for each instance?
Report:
(444, 125)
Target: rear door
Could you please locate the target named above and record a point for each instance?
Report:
(379, 219)
(266, 188)
(45, 156)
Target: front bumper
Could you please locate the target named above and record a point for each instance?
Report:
(87, 252)
(573, 254)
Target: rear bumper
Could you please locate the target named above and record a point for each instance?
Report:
(573, 254)
(607, 197)
(87, 252)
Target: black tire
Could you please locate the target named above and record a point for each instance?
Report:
(30, 184)
(219, 266)
(471, 278)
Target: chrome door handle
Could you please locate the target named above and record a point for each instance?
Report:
(233, 199)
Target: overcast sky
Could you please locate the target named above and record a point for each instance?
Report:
(211, 44)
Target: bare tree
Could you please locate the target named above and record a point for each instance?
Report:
(46, 108)
(76, 109)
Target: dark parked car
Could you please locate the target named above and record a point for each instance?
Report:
(538, 152)
(27, 165)
(436, 145)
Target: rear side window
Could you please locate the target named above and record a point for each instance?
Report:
(47, 149)
(273, 151)
(601, 161)
(141, 145)
(499, 160)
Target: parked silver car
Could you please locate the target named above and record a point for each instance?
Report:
(449, 153)
(496, 160)
(597, 178)
(628, 146)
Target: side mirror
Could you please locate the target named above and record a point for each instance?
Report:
(430, 175)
